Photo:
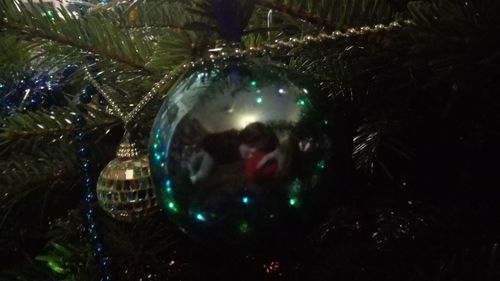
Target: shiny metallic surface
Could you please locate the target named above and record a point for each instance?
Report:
(124, 188)
(238, 153)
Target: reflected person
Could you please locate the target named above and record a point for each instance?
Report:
(256, 145)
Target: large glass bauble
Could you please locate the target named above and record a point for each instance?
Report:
(240, 155)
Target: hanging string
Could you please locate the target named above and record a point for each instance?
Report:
(269, 23)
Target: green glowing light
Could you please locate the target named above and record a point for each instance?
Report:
(321, 165)
(50, 14)
(155, 146)
(325, 122)
(172, 207)
(259, 100)
(245, 200)
(244, 227)
(200, 217)
(157, 156)
(55, 267)
(293, 202)
(253, 83)
(301, 102)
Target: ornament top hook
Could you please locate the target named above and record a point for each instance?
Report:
(127, 149)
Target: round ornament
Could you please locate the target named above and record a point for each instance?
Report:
(124, 188)
(242, 156)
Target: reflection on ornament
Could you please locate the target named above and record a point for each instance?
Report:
(245, 120)
(125, 189)
(238, 155)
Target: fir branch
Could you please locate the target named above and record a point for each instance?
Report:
(14, 54)
(34, 33)
(27, 130)
(173, 15)
(178, 48)
(89, 34)
(337, 14)
(456, 21)
(306, 16)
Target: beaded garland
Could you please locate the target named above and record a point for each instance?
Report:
(90, 200)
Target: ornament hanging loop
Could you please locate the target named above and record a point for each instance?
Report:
(269, 23)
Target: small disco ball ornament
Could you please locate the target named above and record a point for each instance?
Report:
(242, 156)
(124, 188)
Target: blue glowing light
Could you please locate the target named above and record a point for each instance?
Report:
(168, 187)
(200, 217)
(245, 200)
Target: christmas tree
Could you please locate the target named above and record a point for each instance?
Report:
(411, 85)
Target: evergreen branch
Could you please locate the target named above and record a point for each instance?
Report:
(14, 54)
(173, 15)
(89, 34)
(171, 28)
(456, 21)
(286, 9)
(178, 48)
(27, 130)
(336, 14)
(36, 33)
(39, 167)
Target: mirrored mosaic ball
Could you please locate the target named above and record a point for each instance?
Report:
(240, 155)
(125, 189)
